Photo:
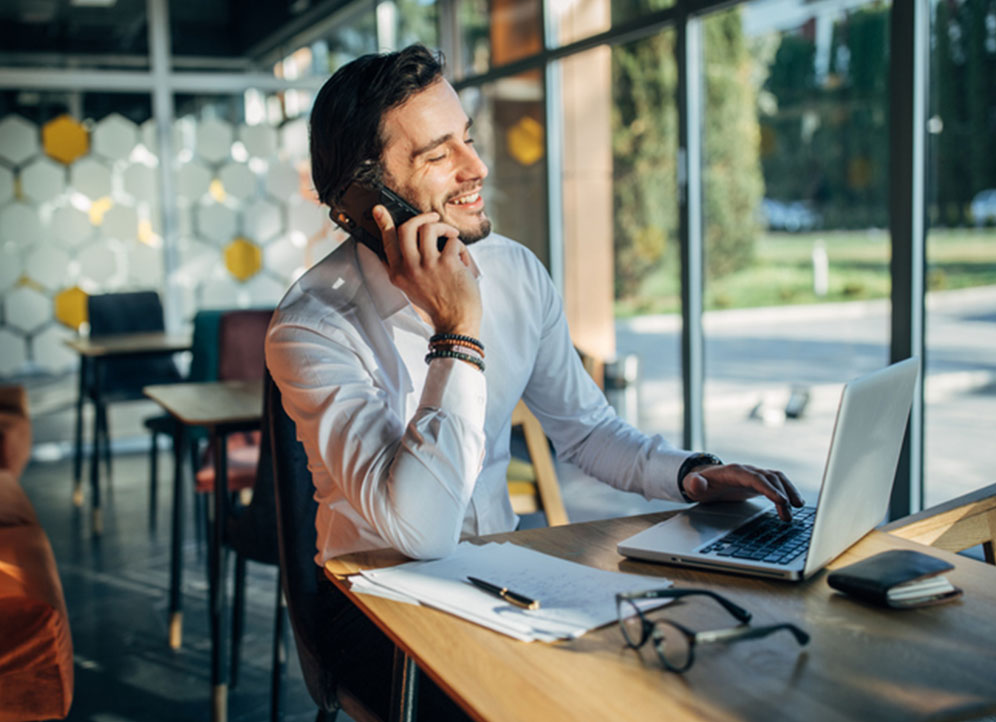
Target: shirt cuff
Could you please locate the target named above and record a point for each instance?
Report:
(664, 465)
(458, 388)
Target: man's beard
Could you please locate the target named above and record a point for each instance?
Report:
(482, 232)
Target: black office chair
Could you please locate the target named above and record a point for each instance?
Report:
(296, 539)
(123, 379)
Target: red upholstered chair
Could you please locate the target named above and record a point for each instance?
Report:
(241, 335)
(36, 650)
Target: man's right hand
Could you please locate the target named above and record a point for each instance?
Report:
(439, 283)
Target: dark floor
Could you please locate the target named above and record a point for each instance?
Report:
(116, 592)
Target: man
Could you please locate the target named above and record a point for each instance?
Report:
(409, 449)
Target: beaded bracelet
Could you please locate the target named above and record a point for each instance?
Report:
(439, 337)
(458, 343)
(444, 353)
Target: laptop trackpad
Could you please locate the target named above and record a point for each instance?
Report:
(704, 523)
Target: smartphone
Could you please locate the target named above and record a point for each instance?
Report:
(354, 214)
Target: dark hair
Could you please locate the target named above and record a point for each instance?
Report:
(345, 126)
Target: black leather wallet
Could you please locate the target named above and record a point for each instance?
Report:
(901, 579)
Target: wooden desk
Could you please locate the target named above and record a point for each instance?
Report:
(224, 407)
(863, 663)
(92, 352)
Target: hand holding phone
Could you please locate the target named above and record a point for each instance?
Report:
(354, 214)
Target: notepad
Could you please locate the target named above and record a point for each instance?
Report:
(574, 598)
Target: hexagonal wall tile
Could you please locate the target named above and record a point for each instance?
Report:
(238, 180)
(216, 222)
(120, 222)
(13, 353)
(100, 263)
(260, 140)
(6, 184)
(243, 258)
(145, 264)
(221, 293)
(71, 226)
(11, 266)
(47, 265)
(148, 135)
(264, 290)
(20, 224)
(306, 217)
(49, 350)
(18, 139)
(294, 138)
(71, 307)
(197, 261)
(27, 309)
(91, 178)
(214, 140)
(115, 137)
(65, 139)
(284, 258)
(192, 181)
(141, 182)
(282, 181)
(42, 180)
(262, 221)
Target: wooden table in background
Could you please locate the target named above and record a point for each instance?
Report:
(224, 407)
(862, 663)
(92, 352)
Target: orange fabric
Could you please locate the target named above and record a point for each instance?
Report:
(36, 649)
(15, 442)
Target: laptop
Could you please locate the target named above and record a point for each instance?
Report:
(749, 538)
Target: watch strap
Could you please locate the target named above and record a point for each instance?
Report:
(690, 463)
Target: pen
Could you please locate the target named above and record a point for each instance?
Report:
(519, 600)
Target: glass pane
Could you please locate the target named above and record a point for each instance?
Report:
(77, 199)
(620, 242)
(495, 33)
(574, 21)
(249, 220)
(961, 251)
(795, 219)
(509, 132)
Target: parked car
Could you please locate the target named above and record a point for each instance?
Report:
(792, 216)
(983, 207)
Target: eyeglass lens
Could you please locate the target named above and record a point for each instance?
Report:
(673, 646)
(631, 623)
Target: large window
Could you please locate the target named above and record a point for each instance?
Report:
(961, 250)
(795, 221)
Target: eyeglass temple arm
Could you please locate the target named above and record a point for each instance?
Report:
(735, 634)
(735, 609)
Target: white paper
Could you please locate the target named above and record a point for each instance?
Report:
(573, 598)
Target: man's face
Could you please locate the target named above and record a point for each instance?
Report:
(429, 159)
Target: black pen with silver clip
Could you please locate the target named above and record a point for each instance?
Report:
(519, 600)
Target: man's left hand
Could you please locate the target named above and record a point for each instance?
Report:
(737, 482)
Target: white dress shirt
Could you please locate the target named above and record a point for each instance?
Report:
(413, 455)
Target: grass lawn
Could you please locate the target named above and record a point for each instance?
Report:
(782, 272)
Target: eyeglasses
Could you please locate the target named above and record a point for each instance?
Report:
(674, 643)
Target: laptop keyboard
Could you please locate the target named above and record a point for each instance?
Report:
(766, 538)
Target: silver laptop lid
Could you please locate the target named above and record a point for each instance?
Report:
(867, 438)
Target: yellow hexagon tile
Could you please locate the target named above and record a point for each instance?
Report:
(243, 258)
(65, 139)
(525, 141)
(70, 307)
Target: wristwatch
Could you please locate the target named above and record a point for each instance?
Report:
(690, 463)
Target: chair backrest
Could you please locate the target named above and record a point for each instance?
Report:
(294, 493)
(955, 525)
(538, 491)
(132, 312)
(252, 530)
(241, 339)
